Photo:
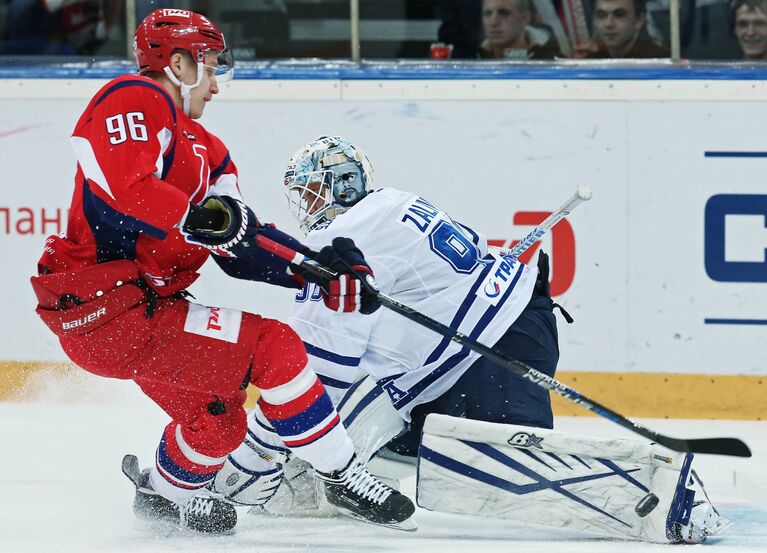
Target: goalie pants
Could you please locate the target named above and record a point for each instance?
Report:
(489, 392)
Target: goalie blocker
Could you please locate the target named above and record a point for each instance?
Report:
(617, 488)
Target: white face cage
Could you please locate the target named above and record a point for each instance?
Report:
(310, 198)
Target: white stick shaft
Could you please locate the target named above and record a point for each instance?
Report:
(582, 194)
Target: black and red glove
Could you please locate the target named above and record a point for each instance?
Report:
(354, 289)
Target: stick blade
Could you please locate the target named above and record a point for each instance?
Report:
(732, 447)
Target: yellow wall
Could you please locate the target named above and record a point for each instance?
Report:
(649, 395)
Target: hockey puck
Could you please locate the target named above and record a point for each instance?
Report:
(646, 505)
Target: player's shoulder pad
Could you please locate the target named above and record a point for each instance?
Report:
(135, 91)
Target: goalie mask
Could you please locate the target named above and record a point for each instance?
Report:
(325, 178)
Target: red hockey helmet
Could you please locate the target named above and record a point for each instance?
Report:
(166, 30)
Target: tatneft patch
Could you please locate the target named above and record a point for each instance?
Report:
(498, 281)
(214, 322)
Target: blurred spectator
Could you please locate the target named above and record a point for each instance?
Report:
(508, 33)
(462, 27)
(750, 17)
(59, 27)
(619, 31)
(705, 26)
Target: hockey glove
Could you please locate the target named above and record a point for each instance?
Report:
(222, 224)
(354, 289)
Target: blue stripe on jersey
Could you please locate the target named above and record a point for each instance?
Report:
(487, 317)
(111, 244)
(137, 82)
(116, 233)
(333, 382)
(220, 169)
(332, 357)
(194, 478)
(167, 159)
(306, 419)
(459, 315)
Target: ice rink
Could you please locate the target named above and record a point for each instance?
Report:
(62, 489)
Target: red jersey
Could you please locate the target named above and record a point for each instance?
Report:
(140, 161)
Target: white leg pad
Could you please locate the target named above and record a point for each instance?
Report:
(369, 417)
(550, 479)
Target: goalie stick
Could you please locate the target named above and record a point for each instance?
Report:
(582, 194)
(720, 446)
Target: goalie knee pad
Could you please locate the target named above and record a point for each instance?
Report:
(607, 487)
(369, 417)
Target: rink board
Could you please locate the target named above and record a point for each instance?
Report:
(664, 270)
(632, 394)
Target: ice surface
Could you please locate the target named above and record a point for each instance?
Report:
(62, 489)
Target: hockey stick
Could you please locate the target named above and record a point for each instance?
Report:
(576, 23)
(582, 194)
(719, 446)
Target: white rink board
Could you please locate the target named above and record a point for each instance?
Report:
(640, 293)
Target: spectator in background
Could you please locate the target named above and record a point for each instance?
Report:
(704, 33)
(509, 35)
(619, 31)
(750, 17)
(462, 27)
(59, 27)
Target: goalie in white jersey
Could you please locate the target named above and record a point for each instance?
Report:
(437, 266)
(387, 373)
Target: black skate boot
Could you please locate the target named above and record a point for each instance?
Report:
(204, 513)
(358, 494)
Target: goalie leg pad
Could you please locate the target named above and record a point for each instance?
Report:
(253, 472)
(553, 480)
(369, 417)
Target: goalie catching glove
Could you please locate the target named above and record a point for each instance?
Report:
(354, 288)
(222, 224)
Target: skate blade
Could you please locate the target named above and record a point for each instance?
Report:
(172, 529)
(131, 469)
(407, 525)
(258, 511)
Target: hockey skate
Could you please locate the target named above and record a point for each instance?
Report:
(358, 494)
(205, 513)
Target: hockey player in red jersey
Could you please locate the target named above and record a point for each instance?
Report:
(155, 195)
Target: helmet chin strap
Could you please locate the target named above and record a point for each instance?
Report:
(185, 89)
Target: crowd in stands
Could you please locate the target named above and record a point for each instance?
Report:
(546, 29)
(469, 29)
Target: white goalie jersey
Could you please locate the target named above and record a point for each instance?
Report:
(424, 259)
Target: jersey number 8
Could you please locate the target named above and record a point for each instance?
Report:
(116, 125)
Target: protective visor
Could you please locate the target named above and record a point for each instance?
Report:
(224, 65)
